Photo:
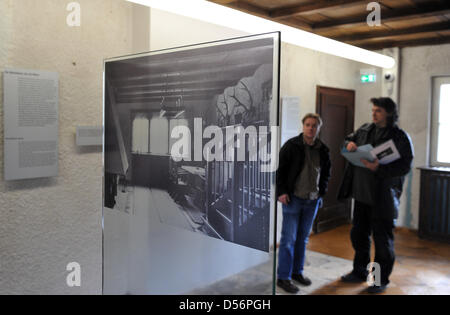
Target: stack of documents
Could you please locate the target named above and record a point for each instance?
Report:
(385, 153)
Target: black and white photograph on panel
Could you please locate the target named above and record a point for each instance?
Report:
(166, 119)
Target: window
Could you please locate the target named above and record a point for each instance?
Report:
(153, 136)
(440, 133)
(159, 135)
(140, 134)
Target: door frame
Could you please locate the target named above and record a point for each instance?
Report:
(351, 124)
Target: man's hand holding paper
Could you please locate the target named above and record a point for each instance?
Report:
(369, 157)
(355, 157)
(373, 166)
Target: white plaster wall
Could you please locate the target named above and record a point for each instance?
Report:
(418, 65)
(47, 223)
(302, 70)
(141, 28)
(169, 30)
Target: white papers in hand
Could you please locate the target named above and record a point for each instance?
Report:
(386, 152)
(363, 152)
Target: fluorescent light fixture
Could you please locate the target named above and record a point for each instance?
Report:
(220, 15)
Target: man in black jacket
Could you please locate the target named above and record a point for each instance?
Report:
(302, 180)
(376, 189)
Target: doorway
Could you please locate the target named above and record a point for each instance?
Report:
(337, 109)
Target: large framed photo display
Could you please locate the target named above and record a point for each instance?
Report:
(190, 153)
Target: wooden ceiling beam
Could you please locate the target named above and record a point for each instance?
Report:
(435, 27)
(212, 73)
(296, 22)
(248, 8)
(157, 99)
(178, 84)
(223, 2)
(406, 43)
(177, 92)
(257, 11)
(424, 10)
(312, 8)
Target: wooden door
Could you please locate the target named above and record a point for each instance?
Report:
(337, 108)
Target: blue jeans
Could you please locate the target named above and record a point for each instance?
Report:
(298, 218)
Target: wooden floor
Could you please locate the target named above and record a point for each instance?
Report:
(421, 267)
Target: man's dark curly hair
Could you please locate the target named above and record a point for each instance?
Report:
(391, 108)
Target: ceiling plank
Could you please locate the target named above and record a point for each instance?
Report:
(177, 92)
(223, 1)
(312, 8)
(395, 32)
(257, 11)
(296, 22)
(248, 8)
(232, 71)
(178, 84)
(423, 10)
(195, 97)
(407, 43)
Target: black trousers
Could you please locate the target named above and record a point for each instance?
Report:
(365, 225)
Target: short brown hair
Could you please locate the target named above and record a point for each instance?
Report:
(314, 116)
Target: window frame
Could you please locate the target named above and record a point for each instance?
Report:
(133, 118)
(436, 83)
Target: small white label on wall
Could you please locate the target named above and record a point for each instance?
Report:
(290, 118)
(89, 136)
(31, 124)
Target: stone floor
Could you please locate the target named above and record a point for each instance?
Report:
(321, 269)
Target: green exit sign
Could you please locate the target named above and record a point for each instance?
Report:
(368, 78)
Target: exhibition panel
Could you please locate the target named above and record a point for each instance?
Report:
(190, 153)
